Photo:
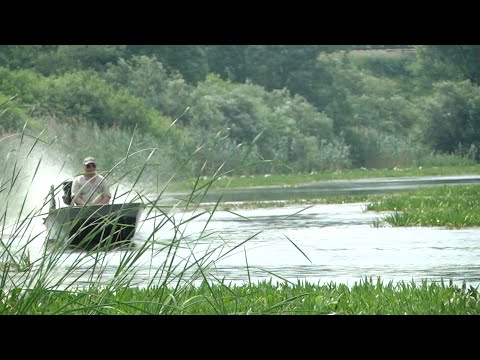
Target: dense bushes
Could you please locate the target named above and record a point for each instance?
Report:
(324, 108)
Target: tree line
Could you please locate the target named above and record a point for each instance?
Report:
(306, 107)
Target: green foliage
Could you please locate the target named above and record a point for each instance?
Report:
(365, 297)
(453, 114)
(433, 159)
(303, 105)
(374, 149)
(337, 79)
(12, 118)
(326, 155)
(30, 87)
(23, 56)
(277, 121)
(228, 61)
(56, 59)
(392, 64)
(392, 115)
(79, 57)
(449, 62)
(146, 78)
(190, 60)
(353, 97)
(76, 140)
(85, 96)
(47, 284)
(453, 207)
(274, 66)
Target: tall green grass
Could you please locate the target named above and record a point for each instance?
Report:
(367, 297)
(26, 281)
(48, 284)
(449, 206)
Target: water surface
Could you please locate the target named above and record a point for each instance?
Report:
(320, 244)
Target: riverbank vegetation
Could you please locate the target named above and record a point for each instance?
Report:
(293, 180)
(284, 110)
(367, 297)
(453, 207)
(49, 284)
(160, 119)
(449, 206)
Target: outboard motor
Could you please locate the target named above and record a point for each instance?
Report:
(67, 192)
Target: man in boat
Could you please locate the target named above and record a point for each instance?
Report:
(90, 188)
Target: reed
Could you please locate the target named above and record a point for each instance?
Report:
(29, 284)
(58, 280)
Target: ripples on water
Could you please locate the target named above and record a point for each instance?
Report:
(339, 245)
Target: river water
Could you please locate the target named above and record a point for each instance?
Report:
(319, 244)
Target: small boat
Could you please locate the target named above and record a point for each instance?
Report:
(88, 226)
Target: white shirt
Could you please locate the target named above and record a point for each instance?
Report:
(90, 190)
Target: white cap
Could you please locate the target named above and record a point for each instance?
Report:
(89, 160)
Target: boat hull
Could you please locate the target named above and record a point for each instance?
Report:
(93, 225)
